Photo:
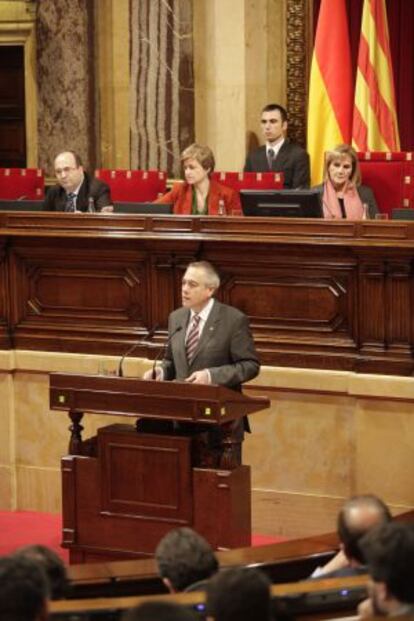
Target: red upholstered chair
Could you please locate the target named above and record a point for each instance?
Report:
(250, 180)
(391, 177)
(22, 183)
(134, 185)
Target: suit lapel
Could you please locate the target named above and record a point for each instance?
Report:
(83, 194)
(61, 202)
(263, 163)
(179, 342)
(281, 159)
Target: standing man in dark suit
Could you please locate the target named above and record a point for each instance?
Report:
(76, 191)
(209, 342)
(279, 154)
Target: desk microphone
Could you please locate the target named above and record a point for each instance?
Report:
(163, 350)
(22, 198)
(134, 346)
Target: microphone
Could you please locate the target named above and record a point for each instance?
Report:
(163, 350)
(133, 348)
(22, 198)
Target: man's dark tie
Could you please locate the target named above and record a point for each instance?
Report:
(70, 201)
(193, 338)
(270, 157)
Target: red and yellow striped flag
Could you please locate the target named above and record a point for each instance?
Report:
(330, 87)
(375, 124)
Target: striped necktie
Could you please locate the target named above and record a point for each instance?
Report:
(193, 338)
(70, 202)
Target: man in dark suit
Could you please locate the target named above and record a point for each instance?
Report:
(209, 342)
(76, 191)
(279, 154)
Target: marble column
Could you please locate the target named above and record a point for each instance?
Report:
(240, 60)
(65, 76)
(162, 89)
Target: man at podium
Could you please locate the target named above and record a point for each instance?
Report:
(208, 342)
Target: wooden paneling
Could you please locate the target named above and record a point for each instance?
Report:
(335, 295)
(12, 107)
(151, 458)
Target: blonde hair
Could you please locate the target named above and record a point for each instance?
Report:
(338, 153)
(203, 155)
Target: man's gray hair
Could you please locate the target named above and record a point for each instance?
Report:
(212, 277)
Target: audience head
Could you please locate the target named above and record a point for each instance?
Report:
(52, 565)
(199, 284)
(389, 550)
(184, 558)
(357, 516)
(69, 170)
(342, 166)
(274, 122)
(240, 594)
(198, 163)
(24, 590)
(159, 611)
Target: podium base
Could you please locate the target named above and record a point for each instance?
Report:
(119, 502)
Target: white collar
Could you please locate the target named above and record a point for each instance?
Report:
(205, 312)
(275, 146)
(76, 192)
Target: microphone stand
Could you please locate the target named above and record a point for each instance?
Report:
(163, 350)
(134, 347)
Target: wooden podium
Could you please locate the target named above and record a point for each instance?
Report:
(124, 488)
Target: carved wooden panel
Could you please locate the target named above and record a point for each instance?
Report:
(293, 301)
(372, 308)
(297, 66)
(5, 337)
(86, 291)
(320, 294)
(132, 462)
(399, 293)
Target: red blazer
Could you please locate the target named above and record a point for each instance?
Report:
(181, 196)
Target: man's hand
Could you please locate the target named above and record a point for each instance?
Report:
(199, 377)
(148, 374)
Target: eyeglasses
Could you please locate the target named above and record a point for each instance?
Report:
(66, 169)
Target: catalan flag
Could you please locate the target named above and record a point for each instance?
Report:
(375, 124)
(330, 88)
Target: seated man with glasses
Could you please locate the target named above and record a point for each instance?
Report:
(76, 191)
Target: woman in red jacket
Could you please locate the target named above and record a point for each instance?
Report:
(199, 195)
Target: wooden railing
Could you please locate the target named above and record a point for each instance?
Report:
(282, 562)
(311, 599)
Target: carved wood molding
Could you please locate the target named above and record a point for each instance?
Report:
(298, 43)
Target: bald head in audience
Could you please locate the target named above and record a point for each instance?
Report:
(24, 591)
(358, 516)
